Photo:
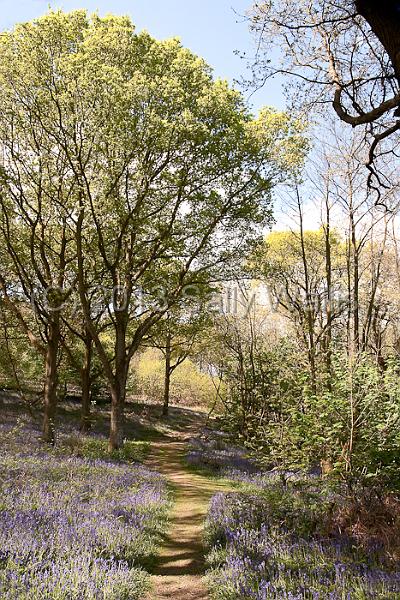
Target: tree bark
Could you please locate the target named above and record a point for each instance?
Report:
(118, 386)
(85, 384)
(117, 421)
(51, 380)
(328, 267)
(167, 376)
(384, 20)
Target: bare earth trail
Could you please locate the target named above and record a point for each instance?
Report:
(180, 567)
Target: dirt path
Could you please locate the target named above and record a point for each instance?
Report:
(180, 567)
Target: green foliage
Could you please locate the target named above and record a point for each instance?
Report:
(126, 164)
(122, 106)
(280, 258)
(319, 389)
(351, 430)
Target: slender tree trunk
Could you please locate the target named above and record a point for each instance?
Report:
(117, 379)
(376, 272)
(378, 339)
(353, 419)
(51, 380)
(328, 265)
(167, 376)
(85, 383)
(309, 308)
(349, 298)
(356, 284)
(243, 388)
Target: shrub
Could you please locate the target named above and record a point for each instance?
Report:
(350, 428)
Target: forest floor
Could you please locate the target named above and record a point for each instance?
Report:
(316, 532)
(180, 567)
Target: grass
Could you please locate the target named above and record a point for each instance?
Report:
(93, 448)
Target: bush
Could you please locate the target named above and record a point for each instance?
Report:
(350, 428)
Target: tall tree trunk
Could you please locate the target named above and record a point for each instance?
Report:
(356, 285)
(51, 380)
(118, 387)
(116, 379)
(349, 302)
(309, 308)
(384, 20)
(167, 376)
(328, 266)
(85, 384)
(378, 339)
(117, 422)
(376, 272)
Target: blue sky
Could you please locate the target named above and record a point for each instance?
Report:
(212, 28)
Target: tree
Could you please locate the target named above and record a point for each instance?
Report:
(162, 177)
(78, 347)
(37, 190)
(20, 364)
(384, 21)
(177, 336)
(236, 357)
(346, 54)
(337, 174)
(193, 170)
(33, 224)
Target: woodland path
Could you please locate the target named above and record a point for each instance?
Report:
(179, 570)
